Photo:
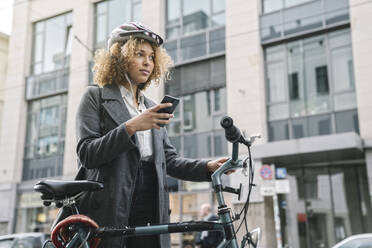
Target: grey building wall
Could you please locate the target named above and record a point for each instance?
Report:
(361, 21)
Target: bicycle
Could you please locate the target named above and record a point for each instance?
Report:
(79, 231)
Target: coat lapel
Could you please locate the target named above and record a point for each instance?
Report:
(114, 104)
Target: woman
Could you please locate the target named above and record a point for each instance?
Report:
(121, 144)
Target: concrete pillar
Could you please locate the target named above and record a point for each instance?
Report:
(153, 15)
(82, 19)
(245, 83)
(361, 34)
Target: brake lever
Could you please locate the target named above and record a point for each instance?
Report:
(254, 137)
(249, 141)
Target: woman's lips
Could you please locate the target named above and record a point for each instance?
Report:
(145, 72)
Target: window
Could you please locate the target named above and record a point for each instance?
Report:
(110, 14)
(321, 80)
(287, 18)
(316, 96)
(347, 121)
(274, 5)
(44, 128)
(278, 130)
(195, 28)
(316, 191)
(342, 70)
(45, 136)
(46, 95)
(195, 16)
(299, 128)
(315, 79)
(51, 49)
(294, 93)
(51, 44)
(195, 132)
(308, 187)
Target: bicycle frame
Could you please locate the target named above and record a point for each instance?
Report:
(225, 224)
(83, 231)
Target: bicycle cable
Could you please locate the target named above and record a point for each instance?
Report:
(250, 187)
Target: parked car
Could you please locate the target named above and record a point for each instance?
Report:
(356, 241)
(23, 240)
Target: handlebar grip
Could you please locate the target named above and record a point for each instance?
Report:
(232, 133)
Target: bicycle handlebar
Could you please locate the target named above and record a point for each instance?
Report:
(232, 133)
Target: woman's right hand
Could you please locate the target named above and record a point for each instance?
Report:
(148, 119)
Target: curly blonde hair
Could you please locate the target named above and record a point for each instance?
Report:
(110, 66)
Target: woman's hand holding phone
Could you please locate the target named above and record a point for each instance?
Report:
(148, 119)
(169, 110)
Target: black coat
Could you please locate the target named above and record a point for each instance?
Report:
(112, 157)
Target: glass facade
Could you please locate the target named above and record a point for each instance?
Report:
(288, 18)
(196, 133)
(274, 5)
(46, 124)
(195, 39)
(52, 40)
(310, 87)
(195, 130)
(109, 14)
(194, 29)
(326, 205)
(112, 13)
(46, 95)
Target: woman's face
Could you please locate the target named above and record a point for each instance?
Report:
(142, 65)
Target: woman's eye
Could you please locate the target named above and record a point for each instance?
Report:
(152, 58)
(139, 54)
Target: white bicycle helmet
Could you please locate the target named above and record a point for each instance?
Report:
(135, 29)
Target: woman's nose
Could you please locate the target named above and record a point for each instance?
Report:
(146, 61)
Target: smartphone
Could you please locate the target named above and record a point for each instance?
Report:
(169, 110)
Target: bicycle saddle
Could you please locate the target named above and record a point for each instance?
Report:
(61, 189)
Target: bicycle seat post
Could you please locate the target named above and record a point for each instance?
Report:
(74, 208)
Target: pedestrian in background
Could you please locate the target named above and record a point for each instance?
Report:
(208, 239)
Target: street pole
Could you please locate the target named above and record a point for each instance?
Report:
(277, 222)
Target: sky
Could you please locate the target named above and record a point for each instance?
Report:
(6, 12)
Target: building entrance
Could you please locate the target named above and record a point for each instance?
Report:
(326, 204)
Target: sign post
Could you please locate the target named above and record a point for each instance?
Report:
(272, 185)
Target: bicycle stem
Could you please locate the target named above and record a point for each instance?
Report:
(223, 211)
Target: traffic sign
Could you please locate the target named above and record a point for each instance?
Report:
(281, 173)
(266, 172)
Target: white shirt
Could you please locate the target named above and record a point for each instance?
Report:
(144, 137)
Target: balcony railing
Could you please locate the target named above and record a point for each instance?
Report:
(307, 17)
(47, 84)
(198, 45)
